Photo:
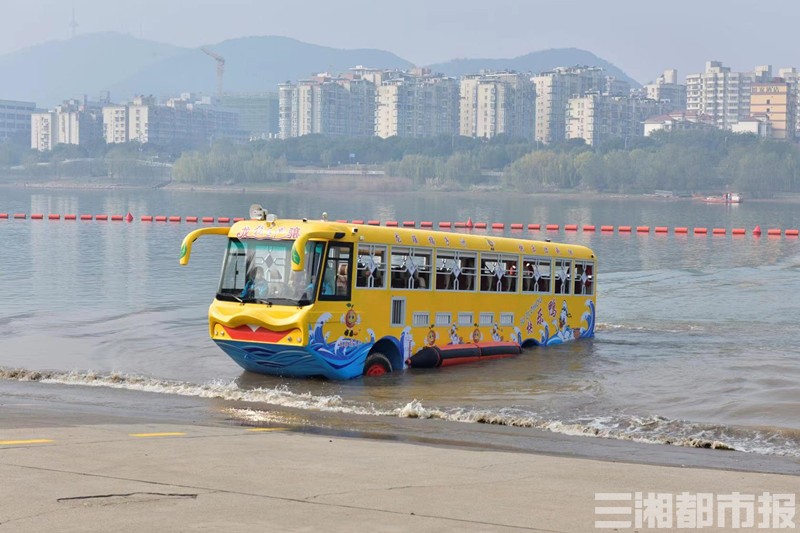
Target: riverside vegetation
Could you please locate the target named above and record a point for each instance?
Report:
(683, 162)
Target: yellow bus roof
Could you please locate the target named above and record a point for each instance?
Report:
(290, 229)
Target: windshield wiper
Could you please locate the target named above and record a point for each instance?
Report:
(228, 297)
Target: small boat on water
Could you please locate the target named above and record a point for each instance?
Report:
(727, 198)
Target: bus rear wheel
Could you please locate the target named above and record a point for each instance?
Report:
(377, 364)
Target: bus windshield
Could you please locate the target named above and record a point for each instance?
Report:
(260, 271)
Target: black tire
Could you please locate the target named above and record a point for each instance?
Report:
(376, 365)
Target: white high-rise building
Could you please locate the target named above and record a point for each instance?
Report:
(496, 104)
(44, 130)
(327, 105)
(597, 118)
(417, 104)
(720, 94)
(555, 88)
(74, 122)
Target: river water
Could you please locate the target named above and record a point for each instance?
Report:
(696, 341)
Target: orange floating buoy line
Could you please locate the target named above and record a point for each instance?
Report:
(469, 224)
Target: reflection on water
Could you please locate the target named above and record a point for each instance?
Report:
(696, 336)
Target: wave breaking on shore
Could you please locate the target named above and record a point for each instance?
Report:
(651, 429)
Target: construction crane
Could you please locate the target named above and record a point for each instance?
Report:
(220, 67)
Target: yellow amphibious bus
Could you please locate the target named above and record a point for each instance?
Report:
(321, 298)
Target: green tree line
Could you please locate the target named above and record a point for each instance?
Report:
(683, 161)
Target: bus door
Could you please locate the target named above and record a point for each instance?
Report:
(337, 274)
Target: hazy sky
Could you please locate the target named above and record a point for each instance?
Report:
(642, 37)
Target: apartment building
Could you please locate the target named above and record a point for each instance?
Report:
(417, 103)
(115, 124)
(721, 94)
(78, 122)
(15, 119)
(339, 106)
(791, 76)
(44, 130)
(188, 119)
(775, 102)
(597, 118)
(668, 91)
(495, 104)
(556, 87)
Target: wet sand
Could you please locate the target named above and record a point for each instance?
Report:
(92, 459)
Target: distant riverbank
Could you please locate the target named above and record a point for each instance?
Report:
(339, 184)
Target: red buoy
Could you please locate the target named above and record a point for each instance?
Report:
(757, 230)
(469, 222)
(129, 217)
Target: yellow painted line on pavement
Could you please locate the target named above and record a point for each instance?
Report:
(173, 434)
(267, 429)
(29, 441)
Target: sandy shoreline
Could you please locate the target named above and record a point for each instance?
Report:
(87, 459)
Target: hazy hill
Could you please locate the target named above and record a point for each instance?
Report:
(534, 62)
(52, 72)
(252, 64)
(57, 70)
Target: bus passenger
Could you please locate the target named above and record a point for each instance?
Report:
(342, 281)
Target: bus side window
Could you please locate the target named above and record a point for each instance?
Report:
(510, 278)
(371, 266)
(563, 274)
(583, 278)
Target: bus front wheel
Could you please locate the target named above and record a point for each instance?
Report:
(377, 364)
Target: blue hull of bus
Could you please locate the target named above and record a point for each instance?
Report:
(278, 360)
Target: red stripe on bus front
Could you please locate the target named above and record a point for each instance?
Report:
(246, 333)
